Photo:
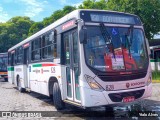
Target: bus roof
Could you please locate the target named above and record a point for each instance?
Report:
(73, 14)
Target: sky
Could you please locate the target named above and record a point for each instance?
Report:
(35, 9)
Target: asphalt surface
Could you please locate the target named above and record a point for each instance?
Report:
(12, 100)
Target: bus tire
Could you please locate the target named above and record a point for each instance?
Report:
(19, 85)
(57, 99)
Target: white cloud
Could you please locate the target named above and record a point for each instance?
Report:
(33, 7)
(62, 2)
(3, 15)
(65, 2)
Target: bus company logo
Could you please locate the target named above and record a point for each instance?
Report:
(127, 85)
(36, 71)
(137, 83)
(134, 84)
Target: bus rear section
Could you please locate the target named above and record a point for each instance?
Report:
(3, 66)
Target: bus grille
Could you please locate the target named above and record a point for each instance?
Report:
(118, 97)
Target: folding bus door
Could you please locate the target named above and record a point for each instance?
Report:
(26, 67)
(71, 61)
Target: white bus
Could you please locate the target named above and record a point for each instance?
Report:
(155, 58)
(87, 58)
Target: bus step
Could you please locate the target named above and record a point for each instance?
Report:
(71, 102)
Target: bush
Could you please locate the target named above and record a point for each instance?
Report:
(156, 75)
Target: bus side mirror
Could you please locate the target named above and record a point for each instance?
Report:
(83, 35)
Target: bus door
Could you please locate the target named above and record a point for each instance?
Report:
(26, 67)
(12, 68)
(71, 61)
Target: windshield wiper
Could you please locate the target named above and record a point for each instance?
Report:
(107, 38)
(130, 32)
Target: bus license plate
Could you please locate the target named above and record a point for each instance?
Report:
(128, 99)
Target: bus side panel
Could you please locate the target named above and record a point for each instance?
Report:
(34, 76)
(11, 74)
(25, 76)
(19, 71)
(40, 75)
(64, 83)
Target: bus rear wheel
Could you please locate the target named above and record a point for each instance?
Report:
(57, 99)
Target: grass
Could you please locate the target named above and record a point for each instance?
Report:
(156, 76)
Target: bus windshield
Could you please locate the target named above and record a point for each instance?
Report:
(125, 51)
(3, 63)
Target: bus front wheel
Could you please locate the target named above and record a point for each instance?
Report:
(57, 99)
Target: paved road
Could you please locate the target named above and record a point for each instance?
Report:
(12, 100)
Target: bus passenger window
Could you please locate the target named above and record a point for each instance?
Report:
(49, 49)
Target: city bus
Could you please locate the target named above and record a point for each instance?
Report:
(88, 58)
(155, 57)
(3, 66)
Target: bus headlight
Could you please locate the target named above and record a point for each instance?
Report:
(149, 81)
(93, 84)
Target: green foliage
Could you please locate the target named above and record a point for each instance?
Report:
(93, 4)
(147, 10)
(35, 28)
(18, 28)
(47, 21)
(13, 31)
(57, 15)
(156, 75)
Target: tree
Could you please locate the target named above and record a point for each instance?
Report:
(13, 31)
(93, 4)
(35, 28)
(57, 15)
(147, 10)
(22, 26)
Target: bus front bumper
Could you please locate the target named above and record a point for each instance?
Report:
(92, 98)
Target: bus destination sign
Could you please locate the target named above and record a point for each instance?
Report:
(111, 18)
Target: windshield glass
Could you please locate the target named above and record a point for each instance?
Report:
(3, 63)
(123, 53)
